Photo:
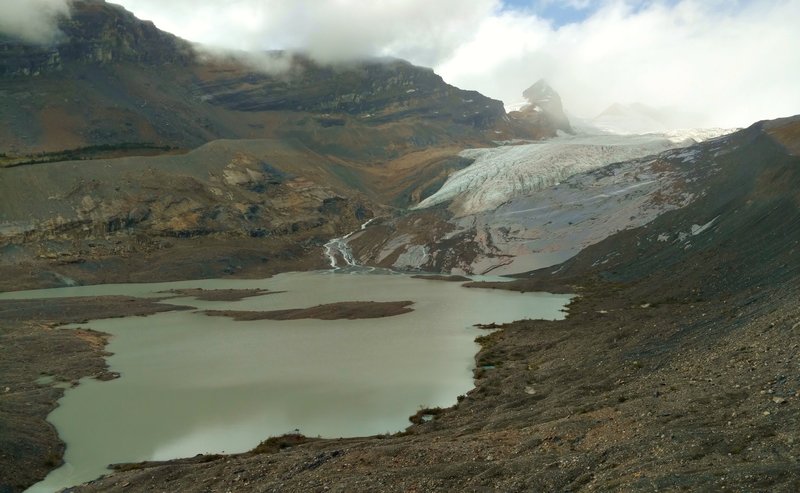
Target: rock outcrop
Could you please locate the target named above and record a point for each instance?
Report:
(543, 109)
(162, 214)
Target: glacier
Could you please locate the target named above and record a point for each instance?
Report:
(501, 174)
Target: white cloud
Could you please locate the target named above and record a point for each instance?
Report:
(33, 21)
(425, 31)
(731, 64)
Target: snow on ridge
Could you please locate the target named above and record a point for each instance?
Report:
(697, 135)
(501, 174)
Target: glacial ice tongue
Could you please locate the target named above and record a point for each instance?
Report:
(501, 174)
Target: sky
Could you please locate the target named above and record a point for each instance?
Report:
(719, 62)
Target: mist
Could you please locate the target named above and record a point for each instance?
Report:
(709, 63)
(330, 31)
(32, 21)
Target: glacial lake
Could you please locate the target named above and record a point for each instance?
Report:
(192, 384)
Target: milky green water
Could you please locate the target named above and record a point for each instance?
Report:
(196, 384)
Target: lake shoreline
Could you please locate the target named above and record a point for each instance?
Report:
(65, 357)
(59, 311)
(595, 392)
(551, 392)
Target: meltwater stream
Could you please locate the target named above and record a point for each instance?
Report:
(338, 247)
(194, 384)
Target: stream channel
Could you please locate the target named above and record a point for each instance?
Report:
(192, 383)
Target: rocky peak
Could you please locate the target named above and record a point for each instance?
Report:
(544, 103)
(96, 32)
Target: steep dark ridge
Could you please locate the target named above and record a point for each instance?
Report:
(544, 108)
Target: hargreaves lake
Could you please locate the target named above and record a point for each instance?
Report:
(192, 383)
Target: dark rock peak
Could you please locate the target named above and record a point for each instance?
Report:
(544, 103)
(95, 22)
(96, 32)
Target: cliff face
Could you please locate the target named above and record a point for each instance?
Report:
(376, 91)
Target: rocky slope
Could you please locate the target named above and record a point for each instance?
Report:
(93, 221)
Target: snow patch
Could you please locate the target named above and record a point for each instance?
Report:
(697, 229)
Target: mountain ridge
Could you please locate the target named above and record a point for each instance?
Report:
(111, 72)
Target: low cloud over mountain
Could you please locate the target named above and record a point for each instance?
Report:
(729, 63)
(34, 21)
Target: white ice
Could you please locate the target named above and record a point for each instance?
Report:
(501, 174)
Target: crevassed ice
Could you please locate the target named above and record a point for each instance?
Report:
(500, 174)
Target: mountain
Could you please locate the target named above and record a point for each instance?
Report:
(114, 80)
(305, 153)
(96, 33)
(543, 109)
